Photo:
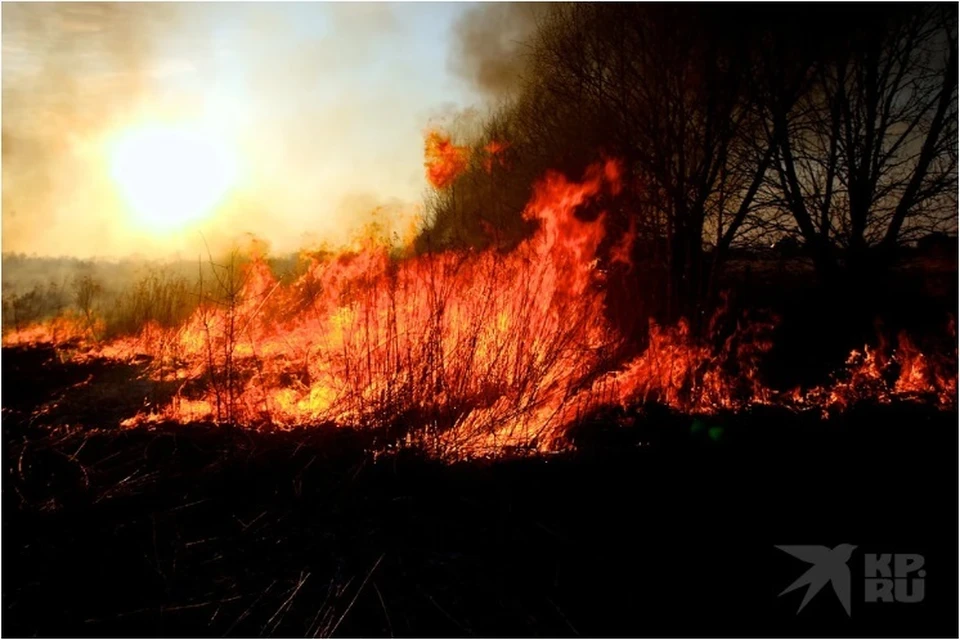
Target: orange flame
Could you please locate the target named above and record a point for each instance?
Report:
(622, 251)
(445, 161)
(495, 150)
(468, 353)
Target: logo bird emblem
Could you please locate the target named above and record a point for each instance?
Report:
(828, 566)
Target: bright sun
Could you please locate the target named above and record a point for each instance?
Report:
(170, 176)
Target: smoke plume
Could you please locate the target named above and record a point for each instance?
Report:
(490, 45)
(325, 105)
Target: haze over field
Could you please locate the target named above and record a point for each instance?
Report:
(133, 128)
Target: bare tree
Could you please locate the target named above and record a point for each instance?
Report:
(866, 144)
(783, 122)
(670, 93)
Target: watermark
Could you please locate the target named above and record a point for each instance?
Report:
(887, 577)
(894, 577)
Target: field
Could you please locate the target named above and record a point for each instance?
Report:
(652, 509)
(479, 319)
(458, 444)
(652, 521)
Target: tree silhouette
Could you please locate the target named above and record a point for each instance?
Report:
(733, 130)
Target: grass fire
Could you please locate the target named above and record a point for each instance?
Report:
(666, 289)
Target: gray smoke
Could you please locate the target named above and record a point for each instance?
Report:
(490, 45)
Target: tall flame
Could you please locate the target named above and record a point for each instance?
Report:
(468, 353)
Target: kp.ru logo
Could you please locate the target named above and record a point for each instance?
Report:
(888, 577)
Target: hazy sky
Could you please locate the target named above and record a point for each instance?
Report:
(323, 107)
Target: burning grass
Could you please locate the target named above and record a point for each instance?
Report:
(445, 161)
(460, 353)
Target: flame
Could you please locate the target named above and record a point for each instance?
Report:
(622, 251)
(495, 150)
(445, 161)
(484, 350)
(468, 353)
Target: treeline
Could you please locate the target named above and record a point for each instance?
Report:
(832, 127)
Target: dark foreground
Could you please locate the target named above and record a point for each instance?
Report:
(666, 528)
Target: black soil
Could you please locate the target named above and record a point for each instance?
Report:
(666, 527)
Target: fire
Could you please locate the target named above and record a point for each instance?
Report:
(445, 161)
(873, 373)
(622, 251)
(477, 348)
(468, 353)
(495, 150)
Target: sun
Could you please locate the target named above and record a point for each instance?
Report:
(170, 176)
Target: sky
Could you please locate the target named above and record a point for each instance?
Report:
(320, 110)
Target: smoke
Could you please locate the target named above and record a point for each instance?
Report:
(325, 105)
(69, 71)
(490, 45)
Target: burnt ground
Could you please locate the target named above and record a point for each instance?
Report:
(664, 528)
